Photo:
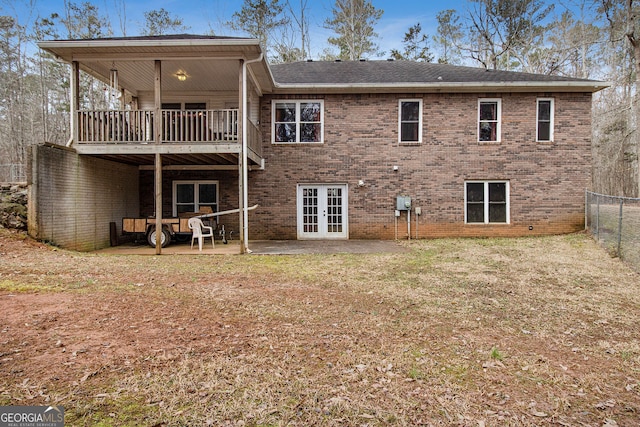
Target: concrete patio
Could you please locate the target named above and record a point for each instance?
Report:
(265, 247)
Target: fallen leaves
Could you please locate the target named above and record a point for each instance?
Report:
(605, 405)
(278, 341)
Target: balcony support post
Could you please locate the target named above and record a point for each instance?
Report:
(157, 130)
(74, 101)
(243, 133)
(242, 162)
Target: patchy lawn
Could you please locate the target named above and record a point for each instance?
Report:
(470, 332)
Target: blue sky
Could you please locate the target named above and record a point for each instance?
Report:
(203, 15)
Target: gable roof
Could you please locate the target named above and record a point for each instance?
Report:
(97, 56)
(397, 76)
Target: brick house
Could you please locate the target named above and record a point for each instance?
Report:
(328, 150)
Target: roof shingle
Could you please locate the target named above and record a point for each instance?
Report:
(397, 72)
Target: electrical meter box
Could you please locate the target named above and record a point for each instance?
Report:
(403, 203)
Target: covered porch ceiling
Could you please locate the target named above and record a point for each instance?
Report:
(209, 63)
(178, 161)
(204, 161)
(200, 75)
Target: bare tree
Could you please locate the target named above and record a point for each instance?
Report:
(571, 48)
(623, 25)
(449, 37)
(285, 49)
(121, 10)
(54, 86)
(301, 21)
(499, 28)
(292, 37)
(14, 92)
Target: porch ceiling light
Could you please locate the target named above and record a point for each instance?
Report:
(181, 75)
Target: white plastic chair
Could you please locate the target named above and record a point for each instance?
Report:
(199, 231)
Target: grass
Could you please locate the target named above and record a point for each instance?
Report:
(531, 331)
(496, 354)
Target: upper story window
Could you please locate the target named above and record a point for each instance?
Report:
(192, 196)
(486, 202)
(489, 118)
(297, 121)
(185, 106)
(544, 131)
(410, 120)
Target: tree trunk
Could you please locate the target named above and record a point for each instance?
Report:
(635, 44)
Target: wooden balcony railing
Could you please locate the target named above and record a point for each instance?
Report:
(136, 126)
(199, 125)
(254, 138)
(130, 126)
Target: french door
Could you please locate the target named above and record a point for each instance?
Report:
(322, 211)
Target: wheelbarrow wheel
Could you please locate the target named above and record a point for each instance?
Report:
(165, 238)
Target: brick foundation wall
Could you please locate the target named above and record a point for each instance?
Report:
(547, 180)
(72, 198)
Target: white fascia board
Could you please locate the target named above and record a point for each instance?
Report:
(119, 43)
(448, 87)
(78, 50)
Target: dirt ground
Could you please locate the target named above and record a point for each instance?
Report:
(539, 331)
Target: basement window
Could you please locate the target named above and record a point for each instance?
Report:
(191, 196)
(486, 202)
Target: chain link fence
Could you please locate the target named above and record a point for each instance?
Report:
(13, 173)
(615, 223)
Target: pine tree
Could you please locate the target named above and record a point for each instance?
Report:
(353, 21)
(259, 18)
(159, 22)
(416, 47)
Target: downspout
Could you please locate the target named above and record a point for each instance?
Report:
(245, 168)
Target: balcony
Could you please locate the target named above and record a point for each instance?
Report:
(209, 130)
(136, 126)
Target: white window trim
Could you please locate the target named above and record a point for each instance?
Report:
(498, 120)
(486, 202)
(175, 184)
(551, 119)
(298, 102)
(400, 141)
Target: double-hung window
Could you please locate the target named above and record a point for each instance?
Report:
(544, 131)
(486, 202)
(191, 196)
(410, 120)
(489, 118)
(298, 121)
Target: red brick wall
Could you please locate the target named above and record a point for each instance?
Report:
(227, 193)
(547, 180)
